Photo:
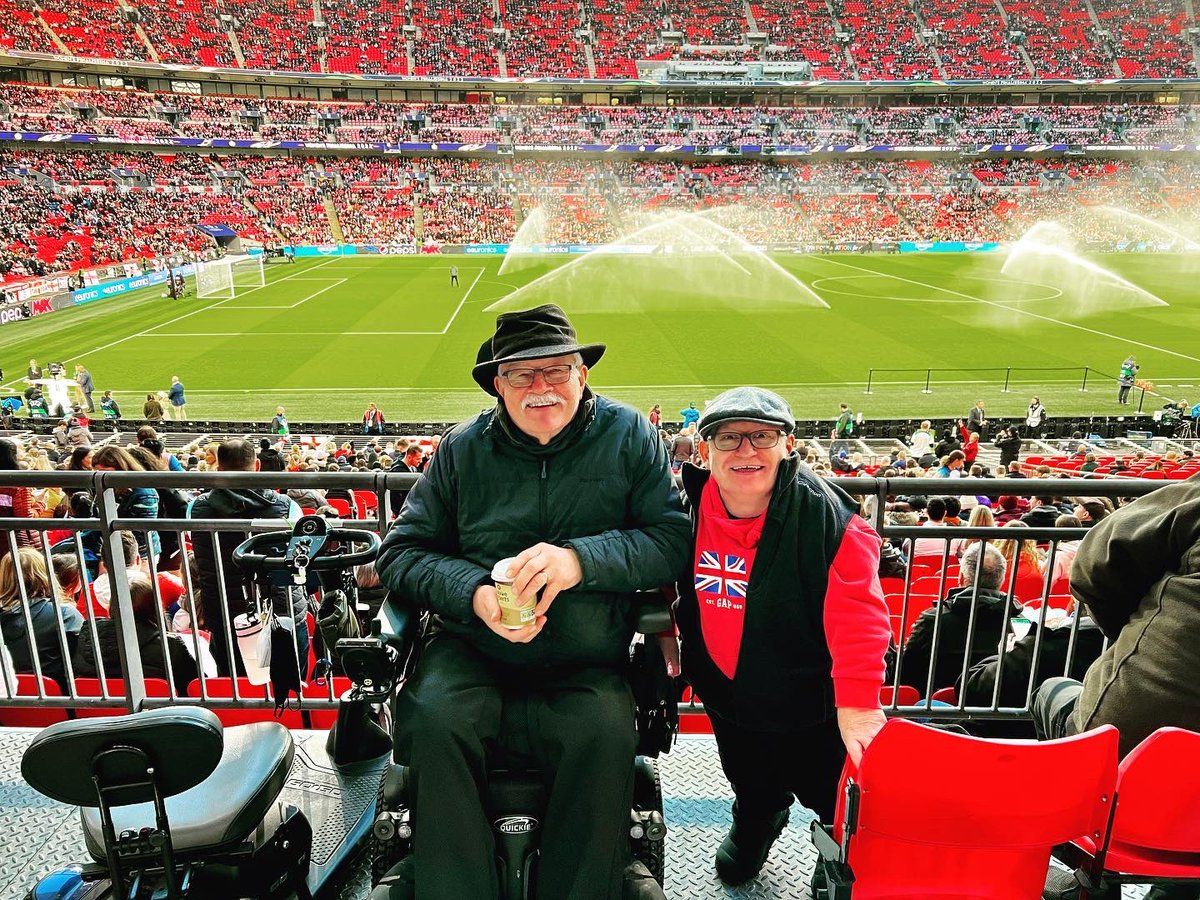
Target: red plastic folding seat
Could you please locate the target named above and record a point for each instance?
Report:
(31, 717)
(90, 687)
(222, 688)
(1155, 831)
(932, 814)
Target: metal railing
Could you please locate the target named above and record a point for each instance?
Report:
(108, 525)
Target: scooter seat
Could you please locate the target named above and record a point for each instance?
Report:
(221, 811)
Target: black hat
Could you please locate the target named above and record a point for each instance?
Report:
(537, 333)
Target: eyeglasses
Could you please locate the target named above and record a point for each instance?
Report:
(523, 378)
(728, 441)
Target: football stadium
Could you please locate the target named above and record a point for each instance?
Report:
(599, 450)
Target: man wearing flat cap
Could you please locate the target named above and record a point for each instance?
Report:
(578, 490)
(782, 619)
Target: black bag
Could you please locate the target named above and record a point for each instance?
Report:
(656, 696)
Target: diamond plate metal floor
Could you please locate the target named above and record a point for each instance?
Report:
(39, 835)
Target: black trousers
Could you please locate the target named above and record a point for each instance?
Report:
(580, 730)
(767, 769)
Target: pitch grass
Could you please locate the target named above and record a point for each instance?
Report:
(326, 336)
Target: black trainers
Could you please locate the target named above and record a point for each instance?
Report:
(640, 884)
(744, 851)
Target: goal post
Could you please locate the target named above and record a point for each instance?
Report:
(229, 276)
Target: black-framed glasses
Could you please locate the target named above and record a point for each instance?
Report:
(728, 441)
(523, 378)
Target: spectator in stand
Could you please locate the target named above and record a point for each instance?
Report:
(411, 462)
(16, 502)
(47, 615)
(970, 443)
(223, 600)
(1043, 513)
(935, 515)
(921, 445)
(950, 620)
(132, 503)
(150, 642)
(951, 466)
(279, 424)
(1136, 573)
(178, 402)
(1021, 557)
(683, 447)
(1034, 656)
(148, 437)
(373, 420)
(656, 415)
(1064, 551)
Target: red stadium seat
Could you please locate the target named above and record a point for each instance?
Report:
(90, 687)
(905, 695)
(905, 834)
(29, 717)
(1156, 828)
(342, 506)
(222, 688)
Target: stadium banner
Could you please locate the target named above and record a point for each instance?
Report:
(36, 287)
(387, 249)
(125, 285)
(312, 250)
(557, 249)
(948, 246)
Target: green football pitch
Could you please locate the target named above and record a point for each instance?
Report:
(936, 332)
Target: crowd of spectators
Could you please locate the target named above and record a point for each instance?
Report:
(65, 209)
(845, 39)
(142, 115)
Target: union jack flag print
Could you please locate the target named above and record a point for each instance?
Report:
(727, 578)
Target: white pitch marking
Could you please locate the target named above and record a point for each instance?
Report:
(1023, 312)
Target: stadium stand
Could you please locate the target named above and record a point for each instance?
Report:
(846, 39)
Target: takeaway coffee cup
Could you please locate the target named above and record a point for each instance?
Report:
(513, 613)
(249, 633)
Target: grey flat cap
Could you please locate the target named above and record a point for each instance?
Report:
(747, 404)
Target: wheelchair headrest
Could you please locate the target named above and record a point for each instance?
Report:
(182, 743)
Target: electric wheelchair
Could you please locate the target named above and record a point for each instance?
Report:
(516, 790)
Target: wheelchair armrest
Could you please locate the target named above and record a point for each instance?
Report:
(397, 623)
(652, 613)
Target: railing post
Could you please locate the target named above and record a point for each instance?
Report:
(1007, 377)
(120, 603)
(870, 376)
(928, 375)
(1141, 400)
(1083, 387)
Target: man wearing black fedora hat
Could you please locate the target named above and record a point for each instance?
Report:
(576, 489)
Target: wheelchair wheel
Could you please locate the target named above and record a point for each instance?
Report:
(650, 847)
(391, 835)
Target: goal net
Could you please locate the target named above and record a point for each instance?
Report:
(229, 276)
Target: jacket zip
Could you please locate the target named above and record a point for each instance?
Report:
(542, 488)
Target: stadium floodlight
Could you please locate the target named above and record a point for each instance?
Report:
(229, 276)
